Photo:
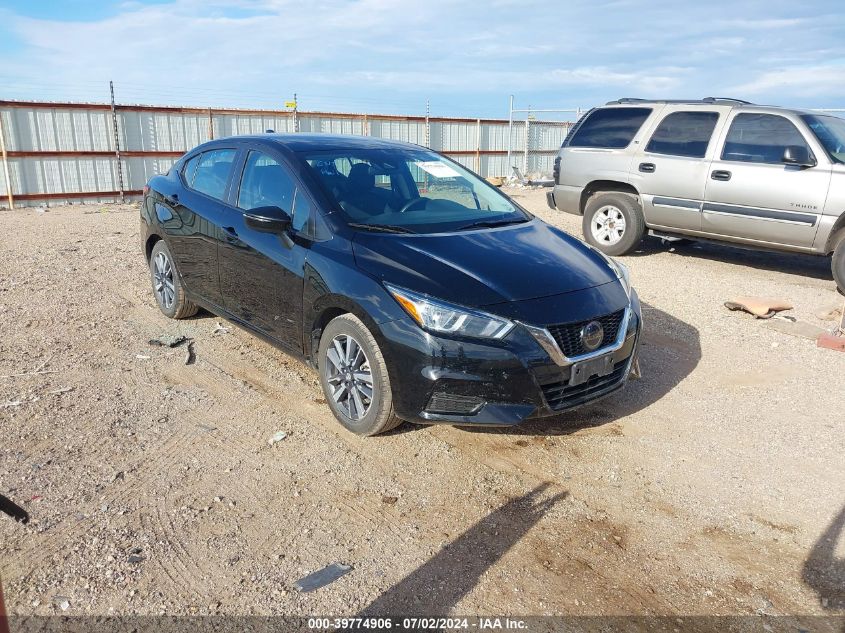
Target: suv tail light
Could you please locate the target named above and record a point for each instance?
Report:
(556, 170)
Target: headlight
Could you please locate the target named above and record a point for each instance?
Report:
(445, 318)
(620, 269)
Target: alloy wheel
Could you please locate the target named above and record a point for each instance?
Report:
(163, 281)
(608, 225)
(347, 372)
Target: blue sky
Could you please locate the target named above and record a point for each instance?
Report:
(389, 56)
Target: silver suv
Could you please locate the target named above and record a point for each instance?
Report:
(716, 168)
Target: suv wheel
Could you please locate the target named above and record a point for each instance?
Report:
(354, 377)
(613, 222)
(837, 263)
(167, 287)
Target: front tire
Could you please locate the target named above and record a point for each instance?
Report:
(613, 222)
(354, 377)
(167, 285)
(837, 263)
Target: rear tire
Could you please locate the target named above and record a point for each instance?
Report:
(354, 377)
(613, 222)
(837, 263)
(167, 284)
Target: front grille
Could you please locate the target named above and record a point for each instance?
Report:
(453, 404)
(568, 336)
(560, 395)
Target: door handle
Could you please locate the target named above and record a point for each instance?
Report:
(647, 168)
(720, 174)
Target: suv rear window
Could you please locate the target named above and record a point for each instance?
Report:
(611, 128)
(683, 134)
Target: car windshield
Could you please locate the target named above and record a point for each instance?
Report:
(830, 131)
(408, 191)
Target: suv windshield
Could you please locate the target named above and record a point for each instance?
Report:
(830, 131)
(408, 190)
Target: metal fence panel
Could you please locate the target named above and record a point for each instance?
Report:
(64, 148)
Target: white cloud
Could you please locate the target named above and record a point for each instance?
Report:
(798, 82)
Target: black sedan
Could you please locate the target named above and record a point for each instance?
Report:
(418, 291)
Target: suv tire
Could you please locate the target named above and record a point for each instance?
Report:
(167, 284)
(613, 222)
(837, 263)
(357, 390)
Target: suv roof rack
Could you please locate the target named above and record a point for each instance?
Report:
(626, 100)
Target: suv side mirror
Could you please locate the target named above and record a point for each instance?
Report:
(267, 219)
(798, 155)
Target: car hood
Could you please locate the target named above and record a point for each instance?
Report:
(484, 267)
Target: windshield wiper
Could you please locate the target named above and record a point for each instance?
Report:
(489, 224)
(379, 228)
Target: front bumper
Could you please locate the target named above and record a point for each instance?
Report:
(494, 383)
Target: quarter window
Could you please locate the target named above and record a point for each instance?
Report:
(683, 134)
(265, 183)
(612, 128)
(189, 168)
(760, 138)
(212, 172)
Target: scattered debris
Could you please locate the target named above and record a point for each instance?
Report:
(801, 329)
(496, 181)
(207, 428)
(61, 602)
(136, 558)
(11, 403)
(832, 312)
(168, 340)
(323, 577)
(190, 355)
(7, 506)
(761, 307)
(219, 328)
(532, 182)
(58, 391)
(142, 357)
(277, 437)
(389, 500)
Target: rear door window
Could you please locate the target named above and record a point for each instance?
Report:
(212, 172)
(684, 134)
(612, 128)
(761, 138)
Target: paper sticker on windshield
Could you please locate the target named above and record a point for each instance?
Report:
(437, 169)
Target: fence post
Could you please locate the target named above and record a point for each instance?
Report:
(116, 144)
(478, 146)
(525, 156)
(427, 124)
(210, 126)
(510, 137)
(6, 168)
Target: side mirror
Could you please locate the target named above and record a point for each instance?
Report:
(798, 155)
(267, 219)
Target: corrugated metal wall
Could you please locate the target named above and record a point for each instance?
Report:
(63, 152)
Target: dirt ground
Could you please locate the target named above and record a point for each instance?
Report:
(712, 486)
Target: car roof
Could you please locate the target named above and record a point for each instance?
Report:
(737, 104)
(313, 142)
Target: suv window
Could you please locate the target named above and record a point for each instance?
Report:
(265, 183)
(212, 172)
(612, 128)
(760, 138)
(189, 168)
(683, 134)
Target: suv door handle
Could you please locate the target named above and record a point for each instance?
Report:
(720, 174)
(647, 168)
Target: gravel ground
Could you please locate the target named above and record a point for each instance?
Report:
(712, 486)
